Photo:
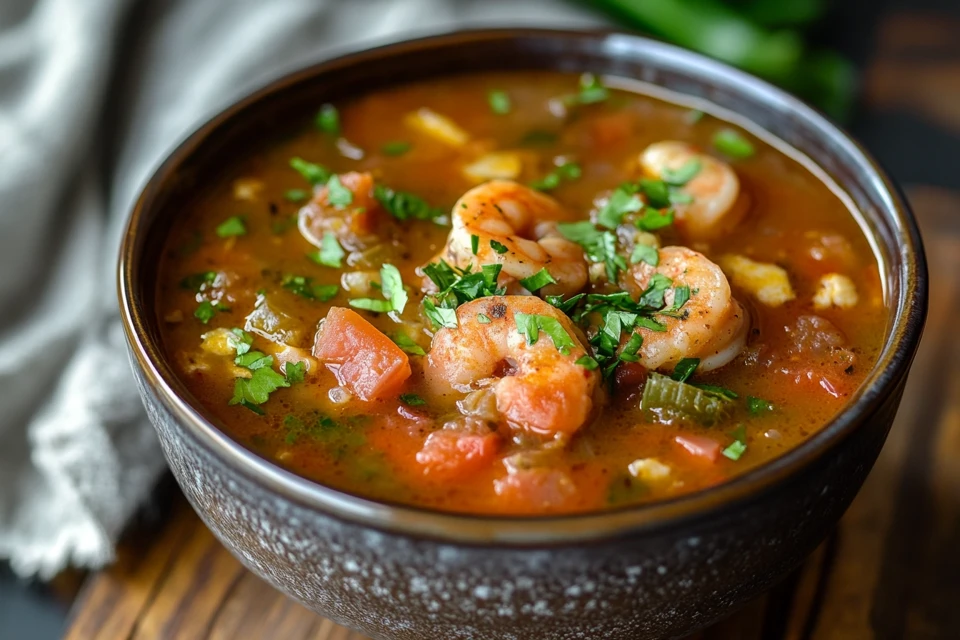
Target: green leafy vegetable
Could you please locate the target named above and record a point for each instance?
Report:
(407, 344)
(684, 369)
(305, 288)
(668, 399)
(330, 254)
(328, 120)
(440, 316)
(693, 116)
(232, 226)
(654, 220)
(395, 295)
(337, 194)
(757, 406)
(406, 206)
(395, 148)
(197, 281)
(498, 247)
(312, 173)
(412, 400)
(499, 102)
(296, 195)
(253, 391)
(600, 246)
(684, 174)
(294, 372)
(645, 253)
(739, 444)
(591, 91)
(206, 310)
(531, 325)
(587, 362)
(240, 341)
(483, 318)
(733, 144)
(620, 203)
(564, 171)
(474, 244)
(537, 281)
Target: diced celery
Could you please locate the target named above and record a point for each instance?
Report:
(668, 399)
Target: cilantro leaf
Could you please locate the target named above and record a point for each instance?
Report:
(395, 148)
(757, 406)
(685, 369)
(253, 360)
(587, 362)
(330, 254)
(240, 341)
(531, 325)
(600, 246)
(733, 144)
(305, 288)
(312, 173)
(412, 400)
(474, 244)
(296, 195)
(337, 194)
(645, 253)
(406, 206)
(440, 316)
(620, 203)
(563, 171)
(735, 450)
(654, 220)
(591, 91)
(683, 174)
(257, 389)
(407, 344)
(232, 226)
(206, 310)
(294, 372)
(391, 284)
(483, 318)
(499, 102)
(629, 351)
(328, 120)
(498, 247)
(537, 281)
(197, 281)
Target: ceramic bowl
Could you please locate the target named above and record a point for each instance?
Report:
(396, 572)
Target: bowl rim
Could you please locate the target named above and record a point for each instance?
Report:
(891, 366)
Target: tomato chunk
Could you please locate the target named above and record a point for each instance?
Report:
(699, 446)
(363, 359)
(451, 455)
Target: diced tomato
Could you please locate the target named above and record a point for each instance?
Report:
(451, 455)
(699, 446)
(610, 129)
(363, 359)
(535, 489)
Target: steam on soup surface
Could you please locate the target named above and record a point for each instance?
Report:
(518, 293)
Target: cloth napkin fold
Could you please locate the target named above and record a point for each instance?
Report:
(93, 95)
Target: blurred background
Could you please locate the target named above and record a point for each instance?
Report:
(888, 70)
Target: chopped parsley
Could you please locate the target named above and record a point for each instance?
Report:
(684, 369)
(474, 244)
(305, 288)
(294, 372)
(206, 310)
(591, 91)
(483, 318)
(566, 170)
(312, 173)
(600, 246)
(255, 390)
(757, 406)
(654, 219)
(530, 325)
(337, 194)
(498, 247)
(661, 195)
(406, 206)
(538, 138)
(407, 344)
(682, 175)
(645, 253)
(328, 120)
(739, 444)
(499, 102)
(440, 316)
(587, 362)
(240, 341)
(391, 285)
(412, 400)
(232, 226)
(395, 148)
(331, 254)
(621, 202)
(458, 286)
(197, 281)
(733, 144)
(296, 195)
(537, 281)
(693, 116)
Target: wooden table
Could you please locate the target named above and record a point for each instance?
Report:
(890, 570)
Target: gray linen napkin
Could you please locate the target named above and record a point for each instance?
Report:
(93, 94)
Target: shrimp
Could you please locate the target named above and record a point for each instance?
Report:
(354, 225)
(715, 189)
(539, 388)
(510, 222)
(712, 325)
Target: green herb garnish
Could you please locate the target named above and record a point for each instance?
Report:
(474, 244)
(232, 226)
(733, 144)
(499, 102)
(412, 400)
(440, 316)
(739, 444)
(330, 254)
(591, 91)
(296, 195)
(305, 288)
(620, 203)
(645, 253)
(684, 174)
(395, 148)
(531, 325)
(537, 281)
(498, 247)
(406, 206)
(685, 369)
(407, 344)
(337, 194)
(391, 285)
(600, 246)
(197, 281)
(313, 173)
(654, 219)
(757, 406)
(328, 120)
(565, 171)
(483, 318)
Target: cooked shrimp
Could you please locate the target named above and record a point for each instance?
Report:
(544, 391)
(715, 189)
(353, 225)
(712, 325)
(509, 216)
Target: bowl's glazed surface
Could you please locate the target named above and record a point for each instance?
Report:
(649, 572)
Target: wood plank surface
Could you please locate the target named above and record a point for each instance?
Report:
(891, 570)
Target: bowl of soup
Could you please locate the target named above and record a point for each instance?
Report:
(521, 333)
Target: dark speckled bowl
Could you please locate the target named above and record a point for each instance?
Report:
(656, 571)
